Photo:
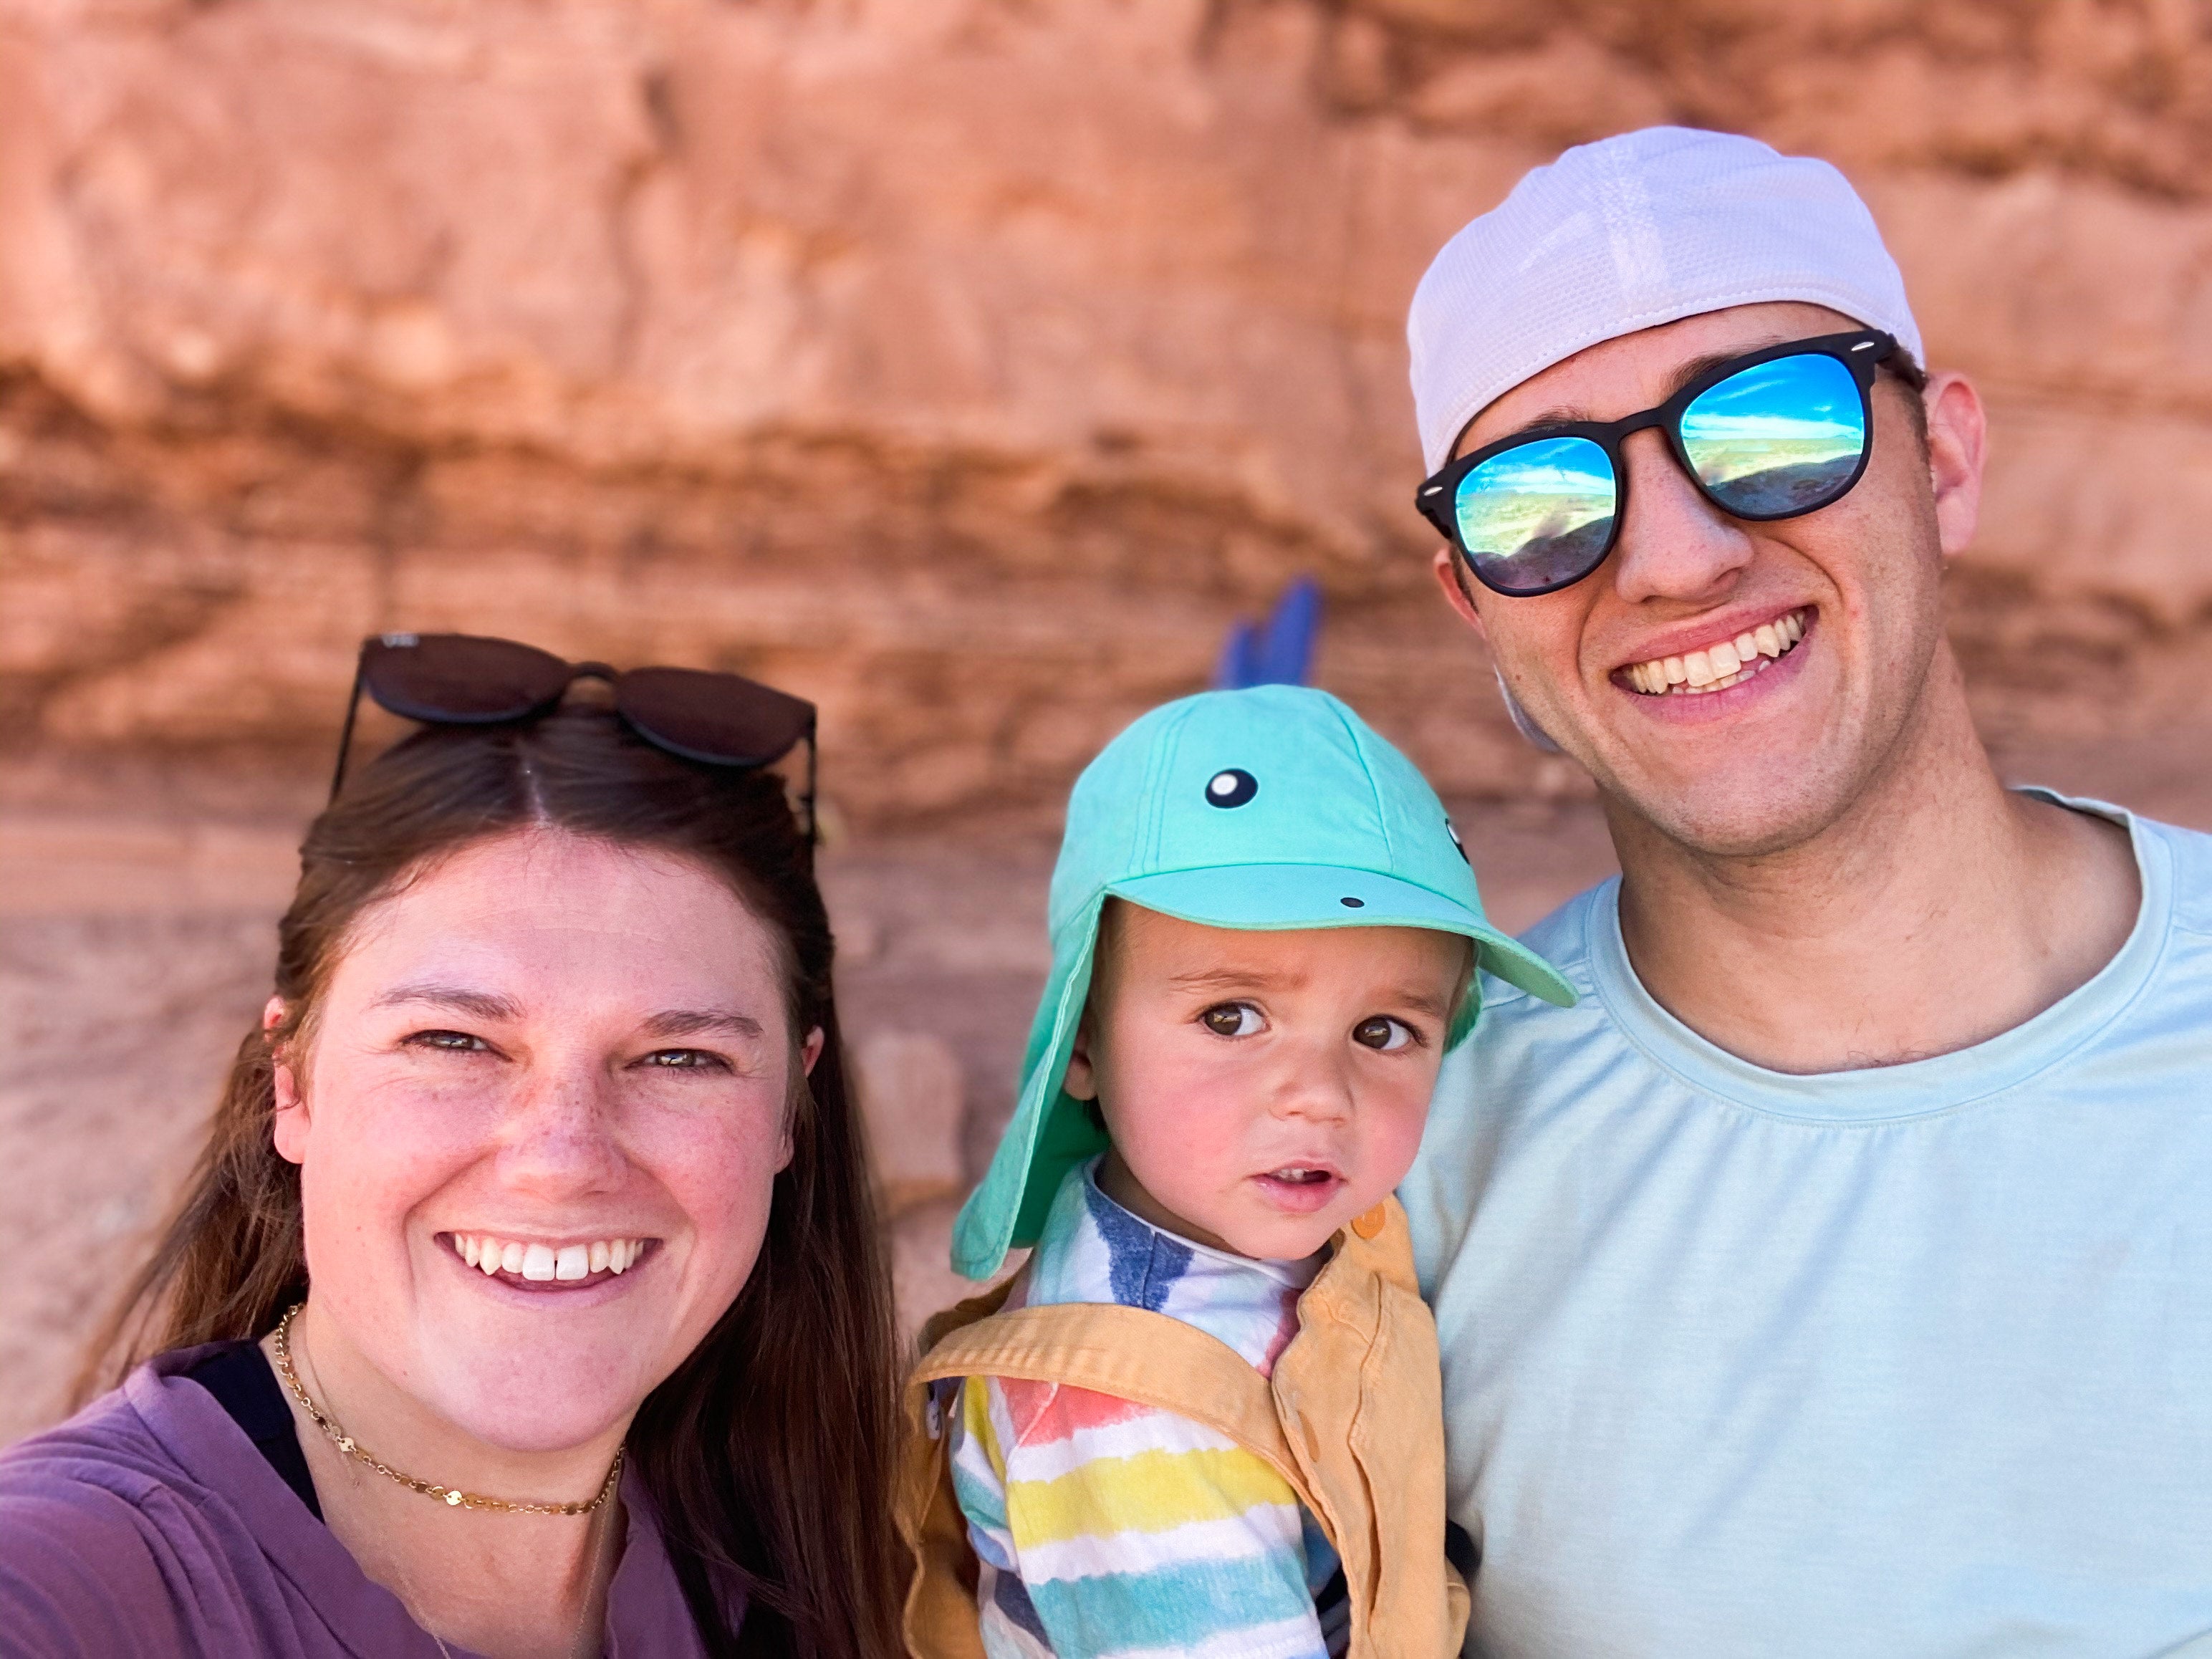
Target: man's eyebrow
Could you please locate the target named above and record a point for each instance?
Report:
(480, 1005)
(1573, 415)
(1697, 366)
(696, 1022)
(1562, 415)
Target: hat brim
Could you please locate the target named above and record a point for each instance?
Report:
(1284, 896)
(1049, 1133)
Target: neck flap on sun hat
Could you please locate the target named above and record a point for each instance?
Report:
(1627, 234)
(1272, 808)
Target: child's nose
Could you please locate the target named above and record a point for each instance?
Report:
(1315, 1087)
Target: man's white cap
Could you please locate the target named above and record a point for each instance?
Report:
(1625, 234)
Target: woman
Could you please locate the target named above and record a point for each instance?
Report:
(532, 1249)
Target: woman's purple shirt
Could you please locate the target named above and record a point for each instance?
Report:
(149, 1524)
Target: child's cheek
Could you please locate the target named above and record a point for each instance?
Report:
(1393, 1126)
(1182, 1125)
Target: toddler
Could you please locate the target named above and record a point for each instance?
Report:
(1203, 1418)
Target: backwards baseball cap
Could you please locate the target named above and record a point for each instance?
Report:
(1271, 808)
(1627, 234)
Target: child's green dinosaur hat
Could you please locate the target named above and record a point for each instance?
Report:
(1275, 807)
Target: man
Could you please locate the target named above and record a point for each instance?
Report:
(1836, 1279)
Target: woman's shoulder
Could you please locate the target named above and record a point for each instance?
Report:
(83, 1545)
(101, 1463)
(146, 1523)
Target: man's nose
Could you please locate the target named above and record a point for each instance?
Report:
(561, 1134)
(1674, 544)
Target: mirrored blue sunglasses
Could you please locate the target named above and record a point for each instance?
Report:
(1772, 434)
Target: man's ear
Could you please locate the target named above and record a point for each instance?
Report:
(289, 1128)
(1957, 447)
(1452, 578)
(1082, 1079)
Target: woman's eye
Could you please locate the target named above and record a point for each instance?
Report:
(1382, 1033)
(1231, 1020)
(685, 1060)
(451, 1042)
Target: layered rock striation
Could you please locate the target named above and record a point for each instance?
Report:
(968, 365)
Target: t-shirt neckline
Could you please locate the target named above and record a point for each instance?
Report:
(1296, 1275)
(1917, 1088)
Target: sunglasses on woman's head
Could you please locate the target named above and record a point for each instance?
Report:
(462, 679)
(1770, 434)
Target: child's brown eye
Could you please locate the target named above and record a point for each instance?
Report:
(1231, 1020)
(1382, 1033)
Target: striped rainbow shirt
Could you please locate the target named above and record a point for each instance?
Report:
(1111, 1530)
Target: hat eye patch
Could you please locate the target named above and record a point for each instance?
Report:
(1231, 787)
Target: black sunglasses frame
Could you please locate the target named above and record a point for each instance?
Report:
(1862, 351)
(575, 670)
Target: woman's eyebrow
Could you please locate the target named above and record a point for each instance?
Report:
(691, 1022)
(490, 1006)
(481, 1004)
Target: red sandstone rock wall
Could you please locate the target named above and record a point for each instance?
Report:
(967, 364)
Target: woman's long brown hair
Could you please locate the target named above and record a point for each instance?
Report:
(769, 1452)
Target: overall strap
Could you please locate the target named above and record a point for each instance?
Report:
(1131, 1354)
(1358, 1385)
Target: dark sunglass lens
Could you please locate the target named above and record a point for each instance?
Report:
(460, 678)
(713, 717)
(1538, 515)
(1779, 438)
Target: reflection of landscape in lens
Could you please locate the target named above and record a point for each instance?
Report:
(1778, 437)
(1540, 513)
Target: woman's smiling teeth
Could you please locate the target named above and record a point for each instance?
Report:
(1730, 662)
(547, 1263)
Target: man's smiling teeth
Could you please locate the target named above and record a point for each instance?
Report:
(1717, 667)
(543, 1262)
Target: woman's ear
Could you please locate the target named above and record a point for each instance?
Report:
(810, 1052)
(1082, 1079)
(288, 1128)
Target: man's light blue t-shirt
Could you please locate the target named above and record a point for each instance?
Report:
(1906, 1362)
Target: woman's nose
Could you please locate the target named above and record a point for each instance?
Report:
(1675, 545)
(560, 1134)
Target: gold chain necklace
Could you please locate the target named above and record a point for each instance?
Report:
(447, 1495)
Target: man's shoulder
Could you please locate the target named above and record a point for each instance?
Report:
(1527, 1058)
(2190, 854)
(1560, 939)
(1564, 940)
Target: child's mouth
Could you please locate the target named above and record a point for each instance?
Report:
(1300, 1188)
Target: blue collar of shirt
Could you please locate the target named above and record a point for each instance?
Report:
(1967, 1076)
